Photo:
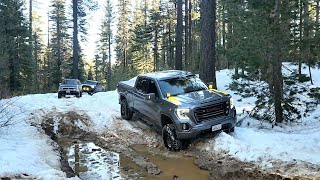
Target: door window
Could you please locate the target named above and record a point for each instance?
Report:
(142, 85)
(153, 88)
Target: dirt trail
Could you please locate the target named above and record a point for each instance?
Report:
(150, 160)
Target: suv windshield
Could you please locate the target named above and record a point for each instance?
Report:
(70, 81)
(181, 85)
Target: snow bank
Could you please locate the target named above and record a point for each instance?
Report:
(26, 151)
(256, 141)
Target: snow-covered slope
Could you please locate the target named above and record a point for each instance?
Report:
(26, 151)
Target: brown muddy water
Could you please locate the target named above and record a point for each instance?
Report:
(89, 161)
(172, 167)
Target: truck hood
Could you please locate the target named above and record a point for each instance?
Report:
(196, 98)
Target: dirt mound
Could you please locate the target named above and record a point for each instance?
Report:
(66, 124)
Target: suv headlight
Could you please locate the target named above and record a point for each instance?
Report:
(182, 113)
(231, 103)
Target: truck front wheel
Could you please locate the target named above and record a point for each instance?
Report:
(126, 113)
(171, 140)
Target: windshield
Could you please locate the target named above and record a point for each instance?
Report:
(70, 81)
(90, 82)
(181, 85)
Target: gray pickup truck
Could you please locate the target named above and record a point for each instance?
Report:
(179, 103)
(70, 87)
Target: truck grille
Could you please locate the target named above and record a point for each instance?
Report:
(211, 111)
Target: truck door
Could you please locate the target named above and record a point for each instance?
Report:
(140, 95)
(153, 107)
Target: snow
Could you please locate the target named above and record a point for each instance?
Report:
(22, 154)
(258, 142)
(37, 156)
(26, 150)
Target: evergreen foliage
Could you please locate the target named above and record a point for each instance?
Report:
(17, 67)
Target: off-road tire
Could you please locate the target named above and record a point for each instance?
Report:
(228, 131)
(78, 95)
(171, 140)
(126, 113)
(59, 95)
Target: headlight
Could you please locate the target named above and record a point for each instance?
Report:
(182, 113)
(231, 103)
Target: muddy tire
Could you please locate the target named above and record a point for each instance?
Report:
(229, 130)
(126, 113)
(78, 95)
(59, 95)
(171, 140)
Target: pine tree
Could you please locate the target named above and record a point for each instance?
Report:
(80, 10)
(122, 37)
(106, 42)
(15, 47)
(59, 43)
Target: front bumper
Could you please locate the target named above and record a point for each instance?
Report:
(69, 92)
(196, 129)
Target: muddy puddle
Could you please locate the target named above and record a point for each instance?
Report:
(89, 161)
(172, 167)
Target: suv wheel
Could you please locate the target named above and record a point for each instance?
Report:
(59, 95)
(126, 113)
(78, 95)
(171, 140)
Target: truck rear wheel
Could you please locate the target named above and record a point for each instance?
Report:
(126, 113)
(171, 140)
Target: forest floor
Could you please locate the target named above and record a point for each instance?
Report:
(57, 138)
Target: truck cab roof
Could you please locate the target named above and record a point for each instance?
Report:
(167, 74)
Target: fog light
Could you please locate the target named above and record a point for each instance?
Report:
(185, 126)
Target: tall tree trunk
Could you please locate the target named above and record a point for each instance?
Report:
(75, 39)
(96, 66)
(224, 31)
(190, 34)
(37, 83)
(170, 53)
(156, 60)
(317, 16)
(109, 62)
(276, 65)
(230, 42)
(307, 36)
(48, 57)
(208, 54)
(301, 38)
(186, 34)
(179, 33)
(59, 63)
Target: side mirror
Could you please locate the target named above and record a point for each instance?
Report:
(151, 97)
(60, 84)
